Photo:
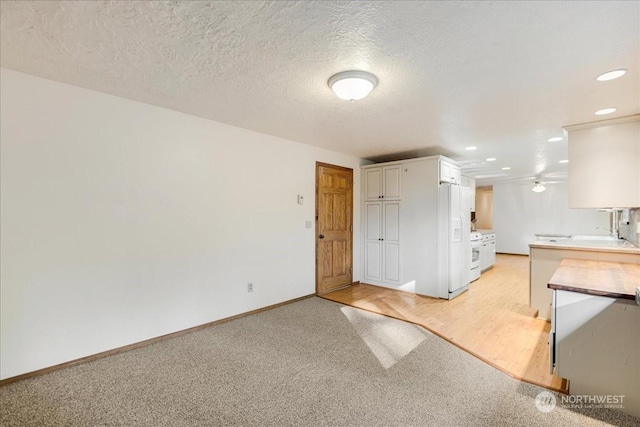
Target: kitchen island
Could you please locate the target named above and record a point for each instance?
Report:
(545, 258)
(594, 340)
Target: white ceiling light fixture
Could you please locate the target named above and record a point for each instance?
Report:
(610, 75)
(506, 168)
(563, 161)
(538, 187)
(352, 85)
(471, 148)
(555, 139)
(491, 159)
(605, 111)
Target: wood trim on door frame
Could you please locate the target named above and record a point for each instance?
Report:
(318, 165)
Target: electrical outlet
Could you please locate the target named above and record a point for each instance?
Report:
(249, 287)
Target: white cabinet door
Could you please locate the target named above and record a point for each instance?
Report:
(373, 241)
(373, 184)
(391, 242)
(470, 183)
(484, 256)
(382, 183)
(472, 199)
(605, 165)
(391, 183)
(491, 253)
(597, 346)
(450, 173)
(456, 174)
(382, 242)
(445, 172)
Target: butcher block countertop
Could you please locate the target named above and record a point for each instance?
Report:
(603, 278)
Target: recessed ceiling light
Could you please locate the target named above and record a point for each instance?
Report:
(556, 139)
(506, 168)
(610, 75)
(605, 111)
(563, 161)
(471, 148)
(491, 159)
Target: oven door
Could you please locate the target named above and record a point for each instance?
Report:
(475, 254)
(474, 273)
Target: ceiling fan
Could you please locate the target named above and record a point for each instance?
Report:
(539, 183)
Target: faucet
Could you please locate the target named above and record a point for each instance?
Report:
(613, 231)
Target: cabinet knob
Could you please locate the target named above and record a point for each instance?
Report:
(321, 236)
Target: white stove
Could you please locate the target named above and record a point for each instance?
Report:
(475, 240)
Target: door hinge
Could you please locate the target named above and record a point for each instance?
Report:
(351, 269)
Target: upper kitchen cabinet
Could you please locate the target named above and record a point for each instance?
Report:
(382, 183)
(604, 163)
(450, 173)
(470, 183)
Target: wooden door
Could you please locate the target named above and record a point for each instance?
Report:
(334, 227)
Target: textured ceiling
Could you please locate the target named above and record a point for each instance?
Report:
(503, 76)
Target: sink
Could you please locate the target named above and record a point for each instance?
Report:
(596, 238)
(599, 241)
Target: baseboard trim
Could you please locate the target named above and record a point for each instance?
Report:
(143, 343)
(319, 294)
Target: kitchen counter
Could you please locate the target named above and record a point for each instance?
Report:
(485, 231)
(545, 258)
(620, 246)
(608, 279)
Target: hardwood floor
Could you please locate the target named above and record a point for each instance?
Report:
(492, 320)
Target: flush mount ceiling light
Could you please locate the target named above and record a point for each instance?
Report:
(563, 161)
(605, 111)
(471, 148)
(555, 139)
(491, 159)
(538, 187)
(352, 85)
(506, 168)
(610, 75)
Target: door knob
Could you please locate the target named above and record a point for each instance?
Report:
(321, 236)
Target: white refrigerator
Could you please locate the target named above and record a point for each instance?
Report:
(445, 269)
(454, 248)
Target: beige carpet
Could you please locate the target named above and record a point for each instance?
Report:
(311, 363)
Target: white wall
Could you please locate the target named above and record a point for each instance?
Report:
(519, 214)
(122, 221)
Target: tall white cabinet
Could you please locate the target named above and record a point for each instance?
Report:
(402, 224)
(382, 208)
